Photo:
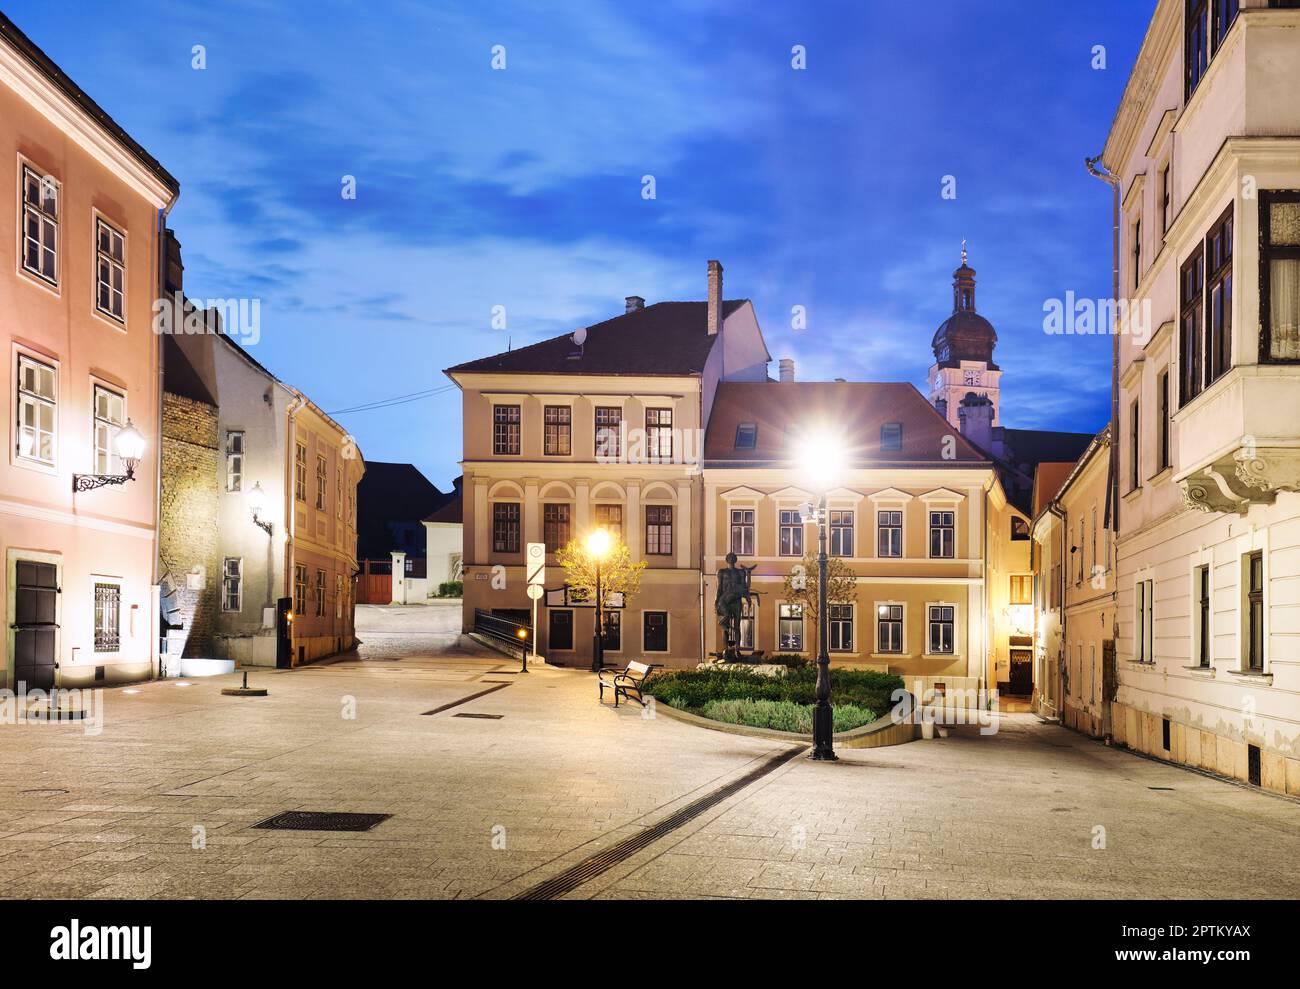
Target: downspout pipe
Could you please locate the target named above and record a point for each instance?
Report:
(1099, 170)
(161, 247)
(1054, 509)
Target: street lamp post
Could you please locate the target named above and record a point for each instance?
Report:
(822, 456)
(598, 546)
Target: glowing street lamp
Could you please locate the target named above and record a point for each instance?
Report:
(822, 460)
(129, 445)
(598, 544)
(257, 505)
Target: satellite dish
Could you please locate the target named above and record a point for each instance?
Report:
(580, 335)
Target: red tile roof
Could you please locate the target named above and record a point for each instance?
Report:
(783, 411)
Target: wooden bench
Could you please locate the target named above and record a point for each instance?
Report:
(626, 681)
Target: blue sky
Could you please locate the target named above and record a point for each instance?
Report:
(521, 187)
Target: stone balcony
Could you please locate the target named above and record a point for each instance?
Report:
(1239, 441)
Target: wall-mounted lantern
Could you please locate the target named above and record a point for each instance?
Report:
(130, 449)
(257, 505)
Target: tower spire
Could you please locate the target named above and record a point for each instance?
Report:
(963, 251)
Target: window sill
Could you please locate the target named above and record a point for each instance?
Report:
(1141, 664)
(1132, 493)
(1161, 474)
(1204, 672)
(940, 655)
(891, 655)
(1252, 676)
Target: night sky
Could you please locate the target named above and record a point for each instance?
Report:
(522, 187)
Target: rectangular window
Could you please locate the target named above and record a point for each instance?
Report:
(40, 230)
(299, 589)
(1196, 43)
(789, 630)
(505, 527)
(1166, 200)
(943, 535)
(891, 436)
(841, 534)
(609, 438)
(942, 629)
(790, 541)
(658, 530)
(1144, 620)
(1137, 253)
(748, 622)
(891, 533)
(555, 527)
(610, 518)
(1255, 612)
(110, 262)
(559, 635)
(37, 410)
(612, 638)
(340, 595)
(1021, 589)
(300, 473)
(654, 631)
(320, 593)
(1218, 297)
(889, 628)
(742, 531)
(338, 492)
(557, 431)
(505, 430)
(322, 479)
(746, 435)
(1203, 616)
(234, 460)
(110, 415)
(108, 617)
(232, 584)
(1191, 337)
(659, 435)
(1279, 262)
(1134, 448)
(1225, 12)
(1162, 421)
(839, 619)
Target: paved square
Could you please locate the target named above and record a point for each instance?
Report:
(162, 803)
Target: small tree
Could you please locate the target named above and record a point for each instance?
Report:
(802, 581)
(617, 571)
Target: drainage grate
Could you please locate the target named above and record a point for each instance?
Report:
(591, 867)
(317, 820)
(485, 717)
(466, 700)
(1160, 788)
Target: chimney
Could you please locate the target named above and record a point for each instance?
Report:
(715, 297)
(787, 368)
(976, 417)
(632, 303)
(941, 404)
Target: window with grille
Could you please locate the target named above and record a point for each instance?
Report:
(942, 632)
(555, 526)
(108, 617)
(889, 628)
(841, 533)
(609, 432)
(943, 531)
(505, 527)
(557, 431)
(37, 410)
(234, 460)
(658, 530)
(742, 531)
(40, 225)
(790, 534)
(610, 518)
(110, 258)
(505, 430)
(110, 415)
(232, 584)
(890, 527)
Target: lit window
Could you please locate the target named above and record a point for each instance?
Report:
(40, 225)
(37, 406)
(108, 617)
(110, 259)
(790, 627)
(110, 414)
(232, 584)
(234, 460)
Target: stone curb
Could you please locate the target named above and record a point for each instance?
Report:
(880, 732)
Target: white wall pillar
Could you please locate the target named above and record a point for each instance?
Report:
(532, 518)
(634, 523)
(482, 521)
(399, 577)
(682, 524)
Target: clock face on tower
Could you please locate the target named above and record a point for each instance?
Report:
(972, 377)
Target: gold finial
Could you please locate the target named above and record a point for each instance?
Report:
(963, 252)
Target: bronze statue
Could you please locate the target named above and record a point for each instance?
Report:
(729, 602)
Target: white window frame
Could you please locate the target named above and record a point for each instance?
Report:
(318, 588)
(113, 463)
(238, 578)
(803, 626)
(235, 474)
(1144, 619)
(36, 400)
(956, 624)
(853, 627)
(322, 482)
(902, 627)
(101, 257)
(751, 526)
(28, 168)
(931, 510)
(800, 527)
(902, 531)
(95, 580)
(748, 621)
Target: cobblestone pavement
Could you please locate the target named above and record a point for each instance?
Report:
(161, 803)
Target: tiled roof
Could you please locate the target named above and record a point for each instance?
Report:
(670, 338)
(451, 511)
(784, 411)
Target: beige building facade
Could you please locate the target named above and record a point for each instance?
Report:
(1206, 150)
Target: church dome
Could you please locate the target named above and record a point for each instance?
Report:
(965, 335)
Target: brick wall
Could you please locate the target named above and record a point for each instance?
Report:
(188, 538)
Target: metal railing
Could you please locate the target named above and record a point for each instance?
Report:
(506, 631)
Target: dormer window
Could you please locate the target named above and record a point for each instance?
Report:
(746, 436)
(891, 436)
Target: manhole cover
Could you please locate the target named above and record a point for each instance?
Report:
(315, 820)
(485, 717)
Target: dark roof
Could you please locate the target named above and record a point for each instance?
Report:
(46, 66)
(452, 510)
(783, 410)
(1036, 446)
(391, 493)
(670, 338)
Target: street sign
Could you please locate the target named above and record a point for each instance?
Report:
(535, 591)
(567, 597)
(536, 563)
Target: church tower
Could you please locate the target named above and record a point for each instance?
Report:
(963, 352)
